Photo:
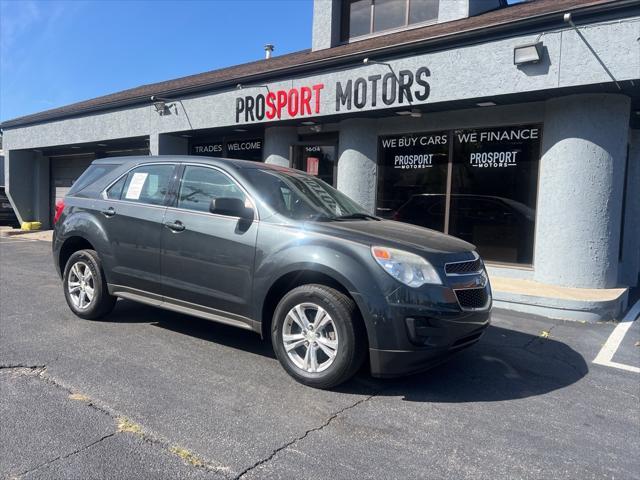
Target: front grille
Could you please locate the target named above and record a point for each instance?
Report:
(463, 268)
(473, 298)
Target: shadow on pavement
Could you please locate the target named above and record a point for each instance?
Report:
(504, 365)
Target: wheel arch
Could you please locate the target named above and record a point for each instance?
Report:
(71, 245)
(304, 276)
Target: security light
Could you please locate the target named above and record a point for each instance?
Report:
(528, 53)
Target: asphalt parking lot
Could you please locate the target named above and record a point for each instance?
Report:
(153, 394)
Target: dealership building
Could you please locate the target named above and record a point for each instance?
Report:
(516, 128)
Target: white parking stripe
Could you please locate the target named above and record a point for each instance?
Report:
(615, 339)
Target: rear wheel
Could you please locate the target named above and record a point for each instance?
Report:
(85, 288)
(317, 336)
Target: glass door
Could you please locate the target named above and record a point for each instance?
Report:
(318, 159)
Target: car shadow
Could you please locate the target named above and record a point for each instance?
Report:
(127, 311)
(505, 364)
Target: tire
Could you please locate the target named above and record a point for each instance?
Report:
(85, 269)
(343, 330)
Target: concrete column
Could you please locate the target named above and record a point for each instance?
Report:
(357, 163)
(20, 168)
(580, 190)
(277, 144)
(326, 24)
(42, 191)
(630, 264)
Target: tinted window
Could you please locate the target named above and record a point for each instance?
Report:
(493, 185)
(148, 184)
(90, 175)
(423, 11)
(389, 14)
(410, 167)
(200, 185)
(359, 18)
(493, 190)
(115, 191)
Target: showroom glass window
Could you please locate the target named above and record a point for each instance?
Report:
(492, 187)
(365, 17)
(413, 178)
(493, 190)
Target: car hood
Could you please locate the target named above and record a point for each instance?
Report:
(392, 234)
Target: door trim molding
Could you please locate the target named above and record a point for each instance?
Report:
(187, 308)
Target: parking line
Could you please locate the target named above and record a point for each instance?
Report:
(610, 347)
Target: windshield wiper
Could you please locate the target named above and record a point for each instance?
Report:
(322, 217)
(357, 216)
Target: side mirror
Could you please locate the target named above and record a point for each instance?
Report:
(231, 207)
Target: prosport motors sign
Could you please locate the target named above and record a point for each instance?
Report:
(415, 151)
(486, 148)
(360, 93)
(496, 147)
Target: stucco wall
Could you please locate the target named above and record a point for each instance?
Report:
(277, 142)
(28, 174)
(326, 24)
(357, 169)
(580, 190)
(476, 71)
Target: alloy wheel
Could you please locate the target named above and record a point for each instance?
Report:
(310, 337)
(81, 285)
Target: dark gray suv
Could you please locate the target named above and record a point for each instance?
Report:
(275, 251)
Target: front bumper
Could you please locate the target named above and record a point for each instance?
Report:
(443, 343)
(411, 330)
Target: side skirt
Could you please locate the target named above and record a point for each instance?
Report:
(187, 308)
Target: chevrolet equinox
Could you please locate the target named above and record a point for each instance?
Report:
(272, 250)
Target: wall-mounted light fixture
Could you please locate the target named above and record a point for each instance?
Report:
(162, 106)
(527, 53)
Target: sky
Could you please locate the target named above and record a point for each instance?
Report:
(55, 52)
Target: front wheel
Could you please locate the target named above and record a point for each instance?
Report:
(317, 335)
(85, 288)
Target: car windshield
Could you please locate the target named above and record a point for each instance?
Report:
(302, 197)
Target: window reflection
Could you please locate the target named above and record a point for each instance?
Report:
(493, 185)
(389, 14)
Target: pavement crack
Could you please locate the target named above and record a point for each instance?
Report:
(64, 457)
(21, 366)
(325, 424)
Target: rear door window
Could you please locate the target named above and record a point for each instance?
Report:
(145, 184)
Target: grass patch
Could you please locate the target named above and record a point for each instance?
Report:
(187, 456)
(79, 397)
(127, 426)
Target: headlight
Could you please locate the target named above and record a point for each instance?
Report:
(406, 267)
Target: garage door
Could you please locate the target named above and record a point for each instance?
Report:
(64, 171)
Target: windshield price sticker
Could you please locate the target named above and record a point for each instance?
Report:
(135, 187)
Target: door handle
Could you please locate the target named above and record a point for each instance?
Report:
(109, 212)
(176, 226)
